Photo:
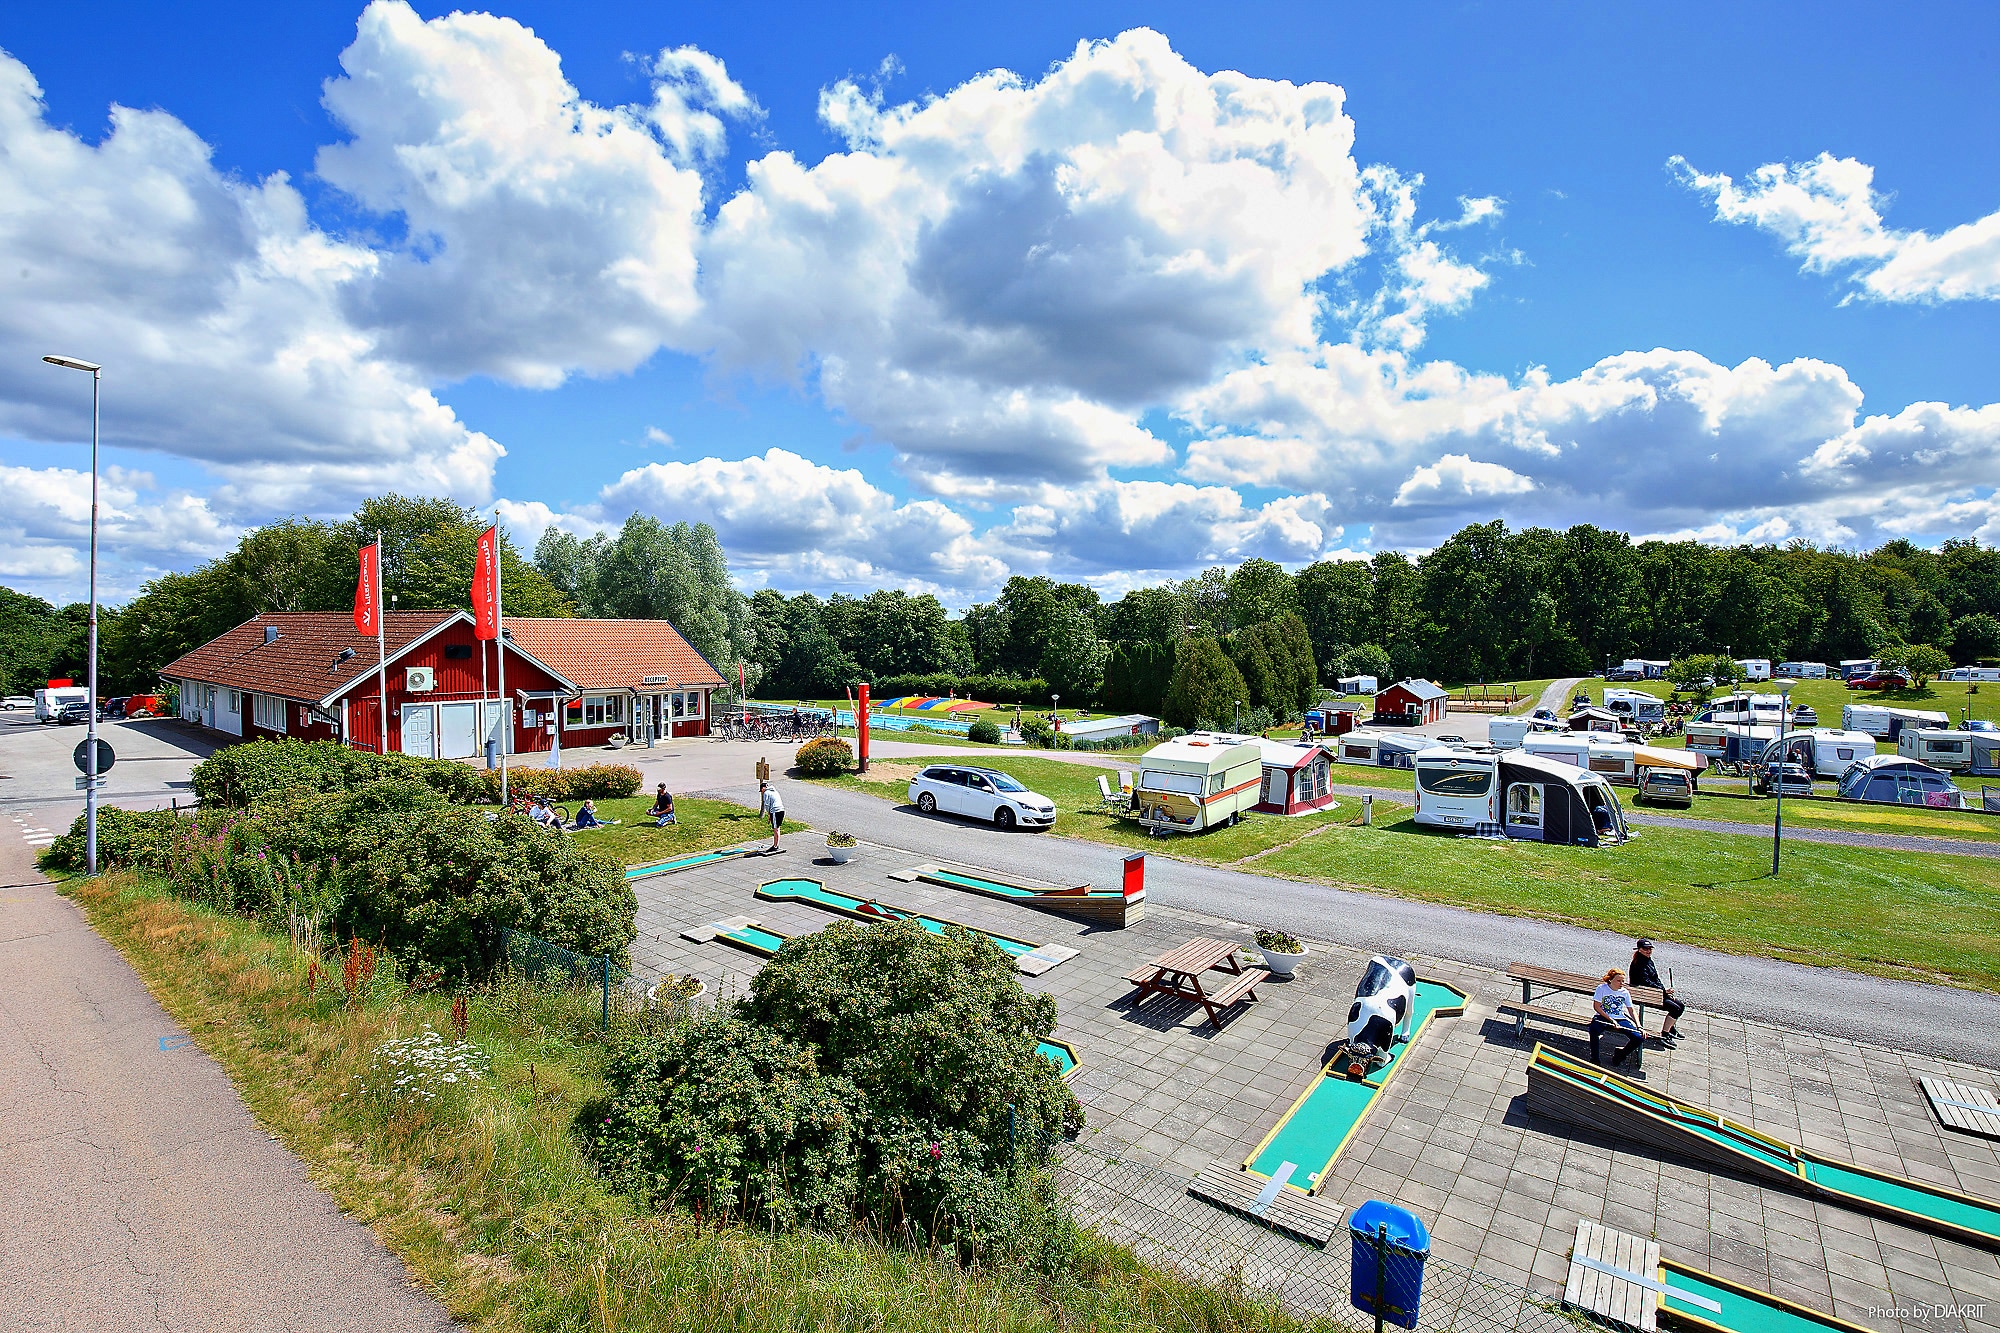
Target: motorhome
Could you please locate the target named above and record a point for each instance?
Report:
(1197, 782)
(1802, 670)
(1754, 668)
(1892, 779)
(1744, 708)
(49, 701)
(1635, 706)
(1384, 749)
(1940, 747)
(1824, 752)
(1886, 723)
(1519, 795)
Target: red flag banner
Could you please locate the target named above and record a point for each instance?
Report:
(486, 586)
(368, 592)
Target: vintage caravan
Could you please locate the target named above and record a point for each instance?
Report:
(1635, 706)
(1885, 723)
(1516, 794)
(1197, 782)
(1939, 747)
(1754, 668)
(1383, 749)
(1824, 753)
(1894, 780)
(1297, 778)
(1608, 756)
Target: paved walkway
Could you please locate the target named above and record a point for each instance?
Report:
(136, 1190)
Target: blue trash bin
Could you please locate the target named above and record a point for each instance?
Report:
(1388, 1279)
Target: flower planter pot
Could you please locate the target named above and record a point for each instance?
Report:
(839, 855)
(654, 996)
(1281, 964)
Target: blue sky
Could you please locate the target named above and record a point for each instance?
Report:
(1034, 328)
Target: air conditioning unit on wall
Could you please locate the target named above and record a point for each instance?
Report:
(421, 679)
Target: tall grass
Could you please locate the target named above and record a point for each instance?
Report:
(488, 1200)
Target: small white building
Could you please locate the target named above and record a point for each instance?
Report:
(1105, 728)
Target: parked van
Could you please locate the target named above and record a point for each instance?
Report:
(1937, 746)
(1802, 670)
(1197, 782)
(1755, 668)
(1894, 780)
(1635, 706)
(1824, 753)
(1886, 723)
(49, 702)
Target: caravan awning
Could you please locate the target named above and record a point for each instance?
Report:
(1654, 756)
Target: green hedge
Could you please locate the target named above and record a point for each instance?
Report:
(239, 775)
(596, 782)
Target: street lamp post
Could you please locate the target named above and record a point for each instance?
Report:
(90, 740)
(1778, 825)
(1236, 717)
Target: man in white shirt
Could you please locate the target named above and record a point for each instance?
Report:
(773, 806)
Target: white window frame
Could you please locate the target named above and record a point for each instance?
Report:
(1530, 817)
(236, 702)
(268, 712)
(603, 710)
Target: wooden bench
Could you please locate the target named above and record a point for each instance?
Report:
(1178, 972)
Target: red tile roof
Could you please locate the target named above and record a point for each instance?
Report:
(300, 663)
(614, 654)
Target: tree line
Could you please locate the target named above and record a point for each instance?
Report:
(1487, 604)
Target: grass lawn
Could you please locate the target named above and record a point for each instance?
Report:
(703, 825)
(497, 1213)
(1915, 821)
(1897, 914)
(1073, 787)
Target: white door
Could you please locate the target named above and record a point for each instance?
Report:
(458, 730)
(420, 730)
(499, 719)
(980, 798)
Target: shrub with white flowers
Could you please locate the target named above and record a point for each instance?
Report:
(424, 1072)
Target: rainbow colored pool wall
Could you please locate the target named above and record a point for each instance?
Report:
(688, 862)
(1324, 1118)
(1564, 1089)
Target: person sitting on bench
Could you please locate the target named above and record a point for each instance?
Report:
(1644, 973)
(1611, 1012)
(662, 813)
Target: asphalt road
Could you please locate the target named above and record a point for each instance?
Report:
(136, 1189)
(1938, 1020)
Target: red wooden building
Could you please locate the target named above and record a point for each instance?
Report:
(311, 676)
(1414, 703)
(638, 677)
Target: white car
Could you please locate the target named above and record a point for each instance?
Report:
(981, 793)
(14, 701)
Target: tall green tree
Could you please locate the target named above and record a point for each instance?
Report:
(1205, 685)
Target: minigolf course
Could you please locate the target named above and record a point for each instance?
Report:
(1031, 958)
(1623, 1280)
(1580, 1094)
(1278, 1184)
(1104, 907)
(1697, 1300)
(677, 864)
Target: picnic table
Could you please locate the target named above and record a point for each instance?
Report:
(1179, 972)
(1540, 983)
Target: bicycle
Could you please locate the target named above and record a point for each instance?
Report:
(525, 805)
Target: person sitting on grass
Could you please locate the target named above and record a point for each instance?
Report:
(586, 817)
(544, 814)
(1645, 973)
(1611, 1012)
(662, 813)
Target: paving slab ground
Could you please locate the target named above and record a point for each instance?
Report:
(1501, 1190)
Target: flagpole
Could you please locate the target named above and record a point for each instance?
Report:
(381, 650)
(500, 651)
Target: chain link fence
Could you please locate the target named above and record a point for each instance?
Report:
(542, 962)
(1149, 1208)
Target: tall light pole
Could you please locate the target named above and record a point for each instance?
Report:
(90, 740)
(1778, 826)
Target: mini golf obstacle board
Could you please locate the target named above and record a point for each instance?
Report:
(1104, 907)
(1621, 1279)
(1294, 1158)
(1033, 959)
(1965, 1107)
(1564, 1089)
(748, 934)
(688, 862)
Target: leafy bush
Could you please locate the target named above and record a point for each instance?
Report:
(1037, 730)
(873, 1070)
(595, 782)
(239, 775)
(137, 838)
(985, 731)
(728, 1116)
(826, 757)
(1277, 941)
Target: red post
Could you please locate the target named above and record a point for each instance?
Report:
(1135, 875)
(861, 728)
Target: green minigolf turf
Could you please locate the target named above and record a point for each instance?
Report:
(1314, 1131)
(754, 938)
(1911, 1198)
(983, 885)
(1059, 1055)
(1742, 1311)
(681, 863)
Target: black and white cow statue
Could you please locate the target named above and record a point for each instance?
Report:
(1384, 1011)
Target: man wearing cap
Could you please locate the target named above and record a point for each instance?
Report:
(1644, 973)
